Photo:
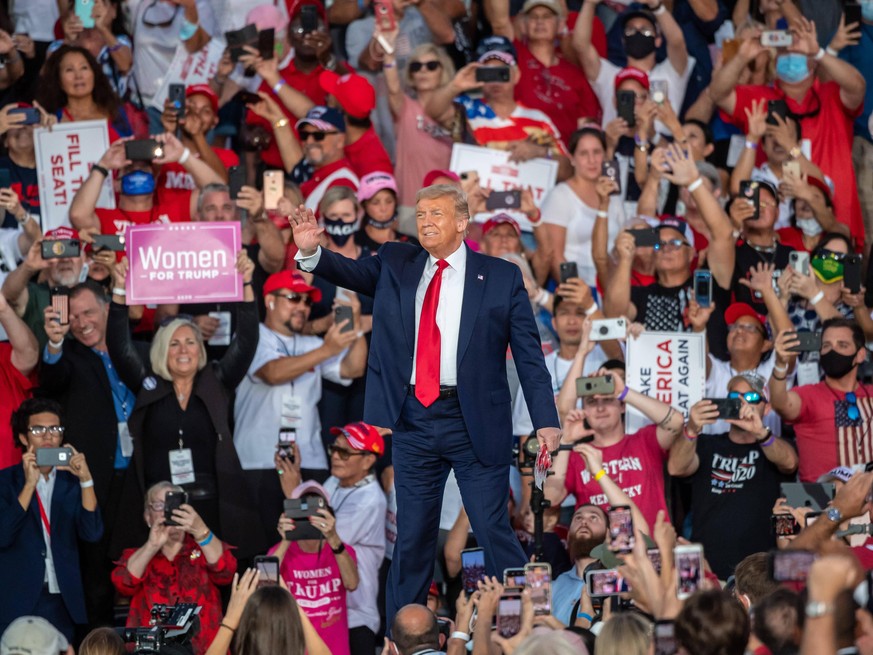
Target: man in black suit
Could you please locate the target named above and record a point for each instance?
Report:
(76, 371)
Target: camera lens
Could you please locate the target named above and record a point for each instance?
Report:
(603, 329)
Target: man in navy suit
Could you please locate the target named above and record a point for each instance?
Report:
(443, 318)
(43, 509)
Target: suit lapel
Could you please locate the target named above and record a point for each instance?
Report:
(410, 276)
(474, 288)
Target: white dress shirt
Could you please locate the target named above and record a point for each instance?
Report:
(45, 488)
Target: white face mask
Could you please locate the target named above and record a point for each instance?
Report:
(809, 226)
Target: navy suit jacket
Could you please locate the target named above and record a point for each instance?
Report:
(22, 546)
(496, 314)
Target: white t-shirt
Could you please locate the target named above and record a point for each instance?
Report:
(258, 407)
(360, 523)
(766, 174)
(36, 18)
(563, 207)
(604, 86)
(720, 375)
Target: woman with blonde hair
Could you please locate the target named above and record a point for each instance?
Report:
(626, 633)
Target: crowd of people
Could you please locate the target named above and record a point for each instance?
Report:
(425, 426)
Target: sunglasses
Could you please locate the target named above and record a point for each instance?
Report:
(318, 136)
(344, 453)
(751, 397)
(295, 298)
(672, 244)
(852, 411)
(630, 33)
(416, 66)
(40, 430)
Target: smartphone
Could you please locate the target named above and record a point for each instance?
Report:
(538, 578)
(776, 108)
(31, 115)
(236, 177)
(5, 178)
(593, 386)
(568, 270)
(703, 287)
(472, 568)
(384, 10)
(503, 200)
(83, 9)
(61, 248)
(852, 11)
(791, 166)
(790, 565)
(268, 570)
(344, 313)
(143, 149)
(176, 95)
(852, 273)
(610, 169)
(605, 582)
(607, 329)
(509, 616)
(799, 261)
(810, 342)
(487, 74)
(815, 495)
(274, 186)
(299, 510)
(53, 456)
(513, 578)
(645, 237)
(776, 39)
(727, 407)
(655, 558)
(784, 525)
(751, 191)
(689, 569)
(729, 50)
(625, 104)
(659, 91)
(61, 303)
(811, 518)
(621, 529)
(285, 447)
(248, 35)
(111, 242)
(267, 43)
(173, 501)
(665, 638)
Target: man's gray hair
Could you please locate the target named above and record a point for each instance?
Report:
(459, 198)
(213, 187)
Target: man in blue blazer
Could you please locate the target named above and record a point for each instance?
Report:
(43, 510)
(443, 318)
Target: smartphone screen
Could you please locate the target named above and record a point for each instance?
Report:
(665, 638)
(274, 185)
(539, 580)
(472, 568)
(790, 565)
(514, 578)
(509, 616)
(607, 582)
(689, 569)
(621, 529)
(268, 570)
(784, 525)
(703, 288)
(285, 448)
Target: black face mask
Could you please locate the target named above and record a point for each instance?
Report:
(638, 45)
(381, 225)
(339, 230)
(836, 365)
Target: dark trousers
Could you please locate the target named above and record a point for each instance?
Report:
(428, 442)
(51, 607)
(362, 641)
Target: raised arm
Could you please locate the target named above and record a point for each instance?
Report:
(756, 118)
(588, 55)
(497, 14)
(441, 100)
(617, 296)
(669, 420)
(786, 403)
(290, 149)
(130, 366)
(232, 367)
(82, 209)
(725, 80)
(677, 52)
(683, 460)
(25, 349)
(15, 285)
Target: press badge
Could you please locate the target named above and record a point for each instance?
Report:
(292, 412)
(181, 466)
(221, 337)
(124, 439)
(807, 373)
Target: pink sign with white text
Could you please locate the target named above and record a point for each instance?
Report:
(183, 263)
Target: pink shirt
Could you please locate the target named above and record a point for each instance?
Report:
(636, 464)
(315, 582)
(423, 145)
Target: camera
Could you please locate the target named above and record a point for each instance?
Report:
(170, 626)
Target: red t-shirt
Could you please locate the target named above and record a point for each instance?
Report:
(174, 184)
(115, 221)
(793, 238)
(561, 91)
(828, 126)
(825, 435)
(598, 33)
(368, 155)
(338, 173)
(14, 388)
(636, 464)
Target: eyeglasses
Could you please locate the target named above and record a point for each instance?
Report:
(751, 397)
(160, 14)
(744, 327)
(852, 410)
(630, 33)
(416, 66)
(672, 244)
(40, 430)
(295, 298)
(157, 506)
(344, 453)
(318, 136)
(164, 322)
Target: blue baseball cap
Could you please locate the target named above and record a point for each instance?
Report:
(324, 119)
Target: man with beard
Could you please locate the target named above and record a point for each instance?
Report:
(833, 418)
(281, 391)
(323, 134)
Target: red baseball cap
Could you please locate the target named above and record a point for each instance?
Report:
(430, 176)
(500, 219)
(353, 92)
(822, 186)
(62, 232)
(291, 281)
(362, 436)
(739, 309)
(631, 73)
(204, 90)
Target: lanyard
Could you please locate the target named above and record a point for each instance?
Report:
(43, 515)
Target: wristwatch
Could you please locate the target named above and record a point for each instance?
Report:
(282, 122)
(817, 608)
(795, 152)
(766, 436)
(834, 515)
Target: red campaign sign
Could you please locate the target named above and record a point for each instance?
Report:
(183, 263)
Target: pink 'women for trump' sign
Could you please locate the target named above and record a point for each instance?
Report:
(183, 263)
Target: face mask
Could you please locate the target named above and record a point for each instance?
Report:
(792, 68)
(809, 226)
(381, 225)
(138, 183)
(827, 270)
(638, 45)
(867, 10)
(339, 230)
(836, 365)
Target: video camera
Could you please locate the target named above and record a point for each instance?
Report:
(170, 630)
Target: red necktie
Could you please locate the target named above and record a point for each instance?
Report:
(427, 359)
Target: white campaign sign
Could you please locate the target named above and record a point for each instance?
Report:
(190, 68)
(669, 366)
(64, 156)
(497, 172)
